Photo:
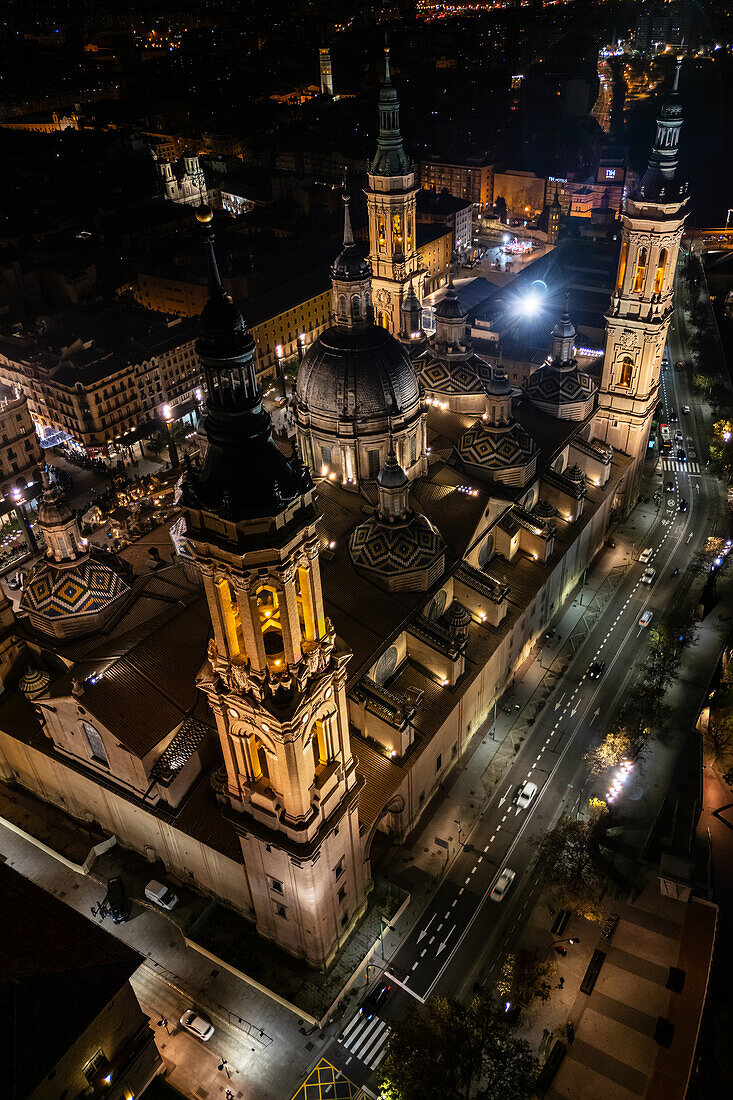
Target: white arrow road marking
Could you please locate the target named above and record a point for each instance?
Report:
(559, 702)
(596, 712)
(444, 943)
(519, 810)
(504, 797)
(425, 929)
(572, 712)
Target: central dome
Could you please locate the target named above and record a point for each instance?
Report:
(363, 373)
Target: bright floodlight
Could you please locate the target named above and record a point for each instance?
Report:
(505, 238)
(529, 305)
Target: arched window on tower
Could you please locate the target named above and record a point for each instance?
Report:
(355, 307)
(384, 319)
(622, 264)
(381, 231)
(231, 617)
(627, 369)
(258, 759)
(268, 606)
(342, 305)
(640, 271)
(659, 274)
(397, 232)
(318, 745)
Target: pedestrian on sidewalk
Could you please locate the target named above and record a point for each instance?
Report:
(561, 983)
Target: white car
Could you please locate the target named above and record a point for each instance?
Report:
(502, 884)
(646, 618)
(686, 410)
(525, 794)
(198, 1024)
(161, 894)
(648, 575)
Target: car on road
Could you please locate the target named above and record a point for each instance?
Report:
(646, 618)
(376, 996)
(679, 365)
(679, 436)
(682, 454)
(525, 794)
(197, 1024)
(686, 410)
(117, 900)
(648, 575)
(682, 506)
(161, 894)
(669, 487)
(596, 670)
(645, 555)
(502, 884)
(672, 416)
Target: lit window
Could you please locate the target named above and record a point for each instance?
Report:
(659, 274)
(627, 368)
(95, 743)
(640, 271)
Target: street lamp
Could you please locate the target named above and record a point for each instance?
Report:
(23, 518)
(172, 449)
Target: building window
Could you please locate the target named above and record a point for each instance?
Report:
(659, 274)
(326, 455)
(627, 368)
(339, 868)
(373, 460)
(95, 1063)
(439, 762)
(95, 743)
(640, 271)
(345, 919)
(276, 885)
(342, 893)
(280, 911)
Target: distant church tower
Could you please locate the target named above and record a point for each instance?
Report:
(642, 302)
(276, 673)
(324, 55)
(554, 211)
(391, 200)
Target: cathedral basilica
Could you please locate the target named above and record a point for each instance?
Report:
(341, 614)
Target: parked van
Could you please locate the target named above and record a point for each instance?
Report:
(645, 555)
(117, 900)
(161, 894)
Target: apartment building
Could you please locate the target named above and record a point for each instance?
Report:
(471, 179)
(109, 383)
(20, 451)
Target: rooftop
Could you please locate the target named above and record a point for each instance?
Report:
(59, 971)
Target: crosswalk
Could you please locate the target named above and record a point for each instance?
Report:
(366, 1039)
(681, 467)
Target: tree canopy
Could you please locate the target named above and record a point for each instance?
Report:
(567, 865)
(444, 1049)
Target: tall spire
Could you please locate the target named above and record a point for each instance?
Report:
(351, 279)
(563, 335)
(660, 177)
(348, 232)
(391, 158)
(245, 474)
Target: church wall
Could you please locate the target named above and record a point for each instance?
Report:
(473, 708)
(64, 727)
(184, 857)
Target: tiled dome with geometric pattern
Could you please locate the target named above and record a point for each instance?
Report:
(407, 556)
(454, 376)
(503, 452)
(562, 391)
(73, 593)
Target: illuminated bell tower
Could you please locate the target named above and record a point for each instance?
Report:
(642, 302)
(391, 205)
(276, 674)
